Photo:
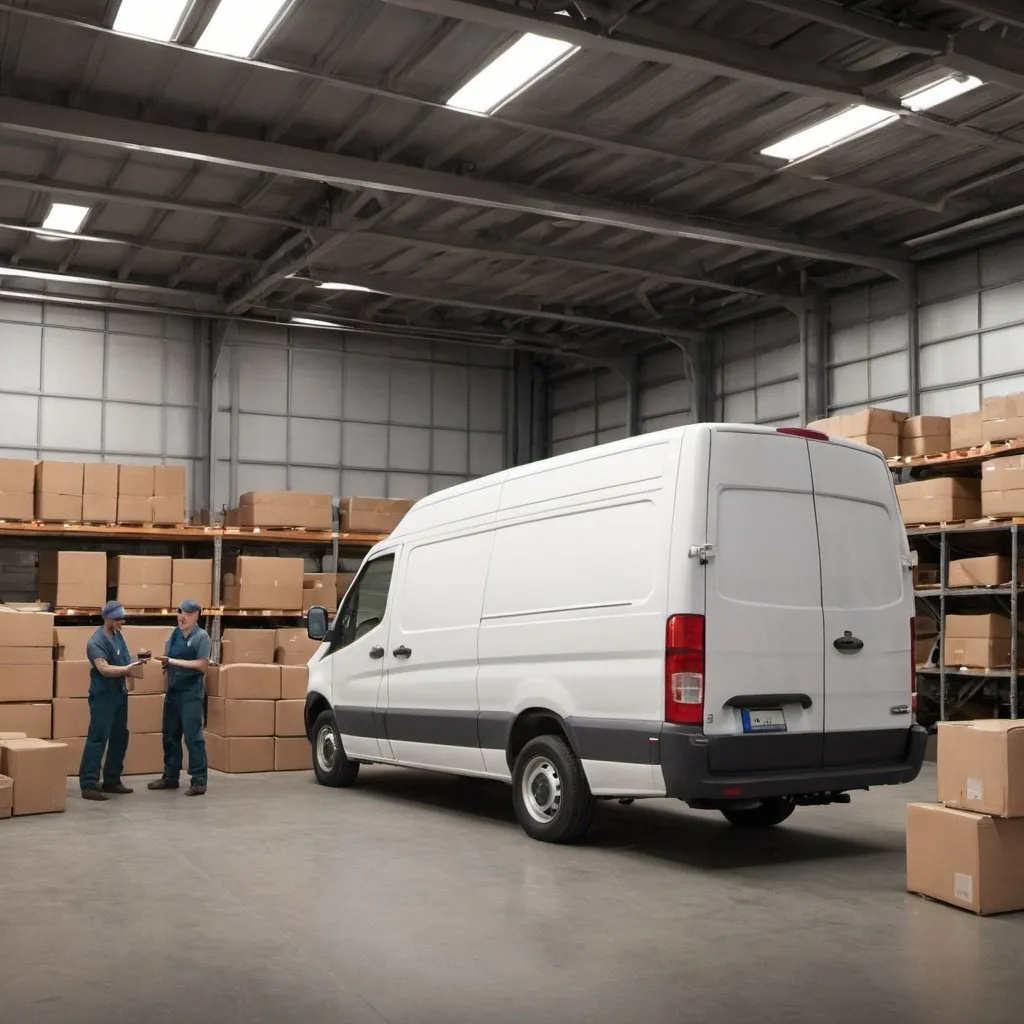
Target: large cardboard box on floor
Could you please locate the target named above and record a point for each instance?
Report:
(26, 674)
(924, 435)
(99, 498)
(33, 720)
(985, 571)
(981, 766)
(375, 515)
(1002, 418)
(320, 588)
(145, 712)
(1002, 486)
(255, 583)
(192, 578)
(73, 579)
(6, 796)
(237, 754)
(142, 581)
(17, 489)
(240, 717)
(968, 860)
(244, 682)
(939, 500)
(75, 747)
(303, 509)
(248, 646)
(294, 647)
(877, 428)
(289, 719)
(965, 430)
(292, 754)
(38, 770)
(294, 682)
(70, 717)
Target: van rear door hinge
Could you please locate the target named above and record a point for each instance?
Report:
(703, 552)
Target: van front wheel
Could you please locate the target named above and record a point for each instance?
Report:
(331, 766)
(767, 813)
(549, 790)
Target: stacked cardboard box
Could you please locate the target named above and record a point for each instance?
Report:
(142, 581)
(99, 498)
(319, 588)
(248, 646)
(939, 500)
(135, 489)
(968, 849)
(192, 578)
(977, 641)
(269, 509)
(240, 734)
(255, 583)
(877, 428)
(983, 571)
(965, 430)
(59, 488)
(924, 435)
(168, 495)
(1002, 418)
(294, 647)
(26, 673)
(35, 768)
(17, 489)
(73, 579)
(1002, 486)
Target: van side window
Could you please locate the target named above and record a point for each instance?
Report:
(365, 603)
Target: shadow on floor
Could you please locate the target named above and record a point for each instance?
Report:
(657, 828)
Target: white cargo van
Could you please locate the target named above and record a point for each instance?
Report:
(717, 613)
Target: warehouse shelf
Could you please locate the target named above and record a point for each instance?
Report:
(962, 458)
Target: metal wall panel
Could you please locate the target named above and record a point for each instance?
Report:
(93, 385)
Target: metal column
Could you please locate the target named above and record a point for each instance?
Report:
(1014, 649)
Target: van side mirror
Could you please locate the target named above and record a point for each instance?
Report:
(316, 623)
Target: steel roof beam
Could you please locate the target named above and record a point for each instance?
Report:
(1009, 12)
(77, 125)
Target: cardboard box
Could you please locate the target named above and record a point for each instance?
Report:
(17, 489)
(75, 747)
(344, 582)
(38, 769)
(382, 515)
(237, 754)
(69, 642)
(940, 499)
(1002, 418)
(21, 683)
(145, 712)
(146, 638)
(152, 680)
(70, 717)
(975, 652)
(100, 479)
(924, 435)
(58, 508)
(145, 754)
(981, 766)
(877, 428)
(245, 682)
(142, 581)
(926, 575)
(168, 511)
(24, 657)
(289, 718)
(144, 595)
(71, 679)
(294, 682)
(303, 509)
(968, 860)
(965, 430)
(169, 482)
(240, 717)
(73, 579)
(6, 797)
(134, 511)
(136, 482)
(256, 583)
(986, 626)
(292, 754)
(60, 478)
(25, 629)
(99, 509)
(192, 578)
(986, 571)
(320, 588)
(1002, 486)
(294, 647)
(248, 646)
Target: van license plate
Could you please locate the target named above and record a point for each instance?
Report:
(772, 720)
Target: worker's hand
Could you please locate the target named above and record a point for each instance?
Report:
(164, 660)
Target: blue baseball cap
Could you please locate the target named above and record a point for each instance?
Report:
(113, 610)
(188, 605)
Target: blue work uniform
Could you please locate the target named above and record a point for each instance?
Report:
(108, 712)
(183, 706)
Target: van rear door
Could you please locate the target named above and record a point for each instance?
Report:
(764, 639)
(868, 605)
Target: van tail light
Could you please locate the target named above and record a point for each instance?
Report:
(684, 669)
(813, 435)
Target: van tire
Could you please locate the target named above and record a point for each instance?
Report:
(768, 813)
(557, 774)
(336, 770)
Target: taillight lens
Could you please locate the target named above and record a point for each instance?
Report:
(684, 669)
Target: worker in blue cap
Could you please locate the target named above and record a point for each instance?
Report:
(186, 658)
(109, 665)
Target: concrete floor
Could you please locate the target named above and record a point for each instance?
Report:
(416, 898)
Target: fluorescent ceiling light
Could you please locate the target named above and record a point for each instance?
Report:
(239, 26)
(308, 321)
(150, 19)
(341, 286)
(66, 217)
(512, 72)
(940, 92)
(850, 124)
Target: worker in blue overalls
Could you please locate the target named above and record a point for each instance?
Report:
(109, 665)
(186, 658)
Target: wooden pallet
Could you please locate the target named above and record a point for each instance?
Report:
(954, 524)
(259, 613)
(988, 450)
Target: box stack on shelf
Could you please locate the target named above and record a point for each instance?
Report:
(297, 510)
(968, 849)
(26, 673)
(257, 583)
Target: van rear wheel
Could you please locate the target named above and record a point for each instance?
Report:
(767, 813)
(550, 793)
(331, 765)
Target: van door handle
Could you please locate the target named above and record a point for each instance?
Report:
(761, 701)
(376, 653)
(401, 652)
(848, 643)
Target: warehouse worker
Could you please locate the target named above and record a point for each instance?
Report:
(186, 659)
(109, 665)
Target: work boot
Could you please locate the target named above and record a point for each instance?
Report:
(116, 787)
(163, 784)
(93, 793)
(196, 789)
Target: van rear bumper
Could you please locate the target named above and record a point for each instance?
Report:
(688, 758)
